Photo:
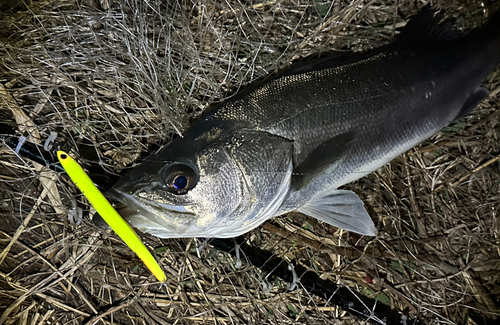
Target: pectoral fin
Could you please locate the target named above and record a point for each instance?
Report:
(324, 157)
(342, 209)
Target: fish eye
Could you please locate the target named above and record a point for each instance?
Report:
(179, 178)
(180, 182)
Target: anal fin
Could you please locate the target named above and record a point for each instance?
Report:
(342, 209)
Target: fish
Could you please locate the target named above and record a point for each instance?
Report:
(290, 142)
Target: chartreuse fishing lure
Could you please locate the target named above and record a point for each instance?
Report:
(108, 213)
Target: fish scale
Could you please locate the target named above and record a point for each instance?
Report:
(382, 118)
(292, 140)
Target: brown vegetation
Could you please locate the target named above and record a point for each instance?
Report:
(117, 79)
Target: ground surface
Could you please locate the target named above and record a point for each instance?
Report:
(118, 80)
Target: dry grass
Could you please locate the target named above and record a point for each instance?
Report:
(116, 83)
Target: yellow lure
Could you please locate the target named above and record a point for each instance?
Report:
(109, 214)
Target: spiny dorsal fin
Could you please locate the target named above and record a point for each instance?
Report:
(424, 28)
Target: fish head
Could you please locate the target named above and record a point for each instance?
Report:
(207, 189)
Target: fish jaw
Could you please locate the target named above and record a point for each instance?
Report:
(174, 218)
(174, 221)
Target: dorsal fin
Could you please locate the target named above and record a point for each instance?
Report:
(424, 28)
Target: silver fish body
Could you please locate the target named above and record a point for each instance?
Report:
(288, 143)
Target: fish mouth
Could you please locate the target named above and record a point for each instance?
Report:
(175, 218)
(168, 221)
